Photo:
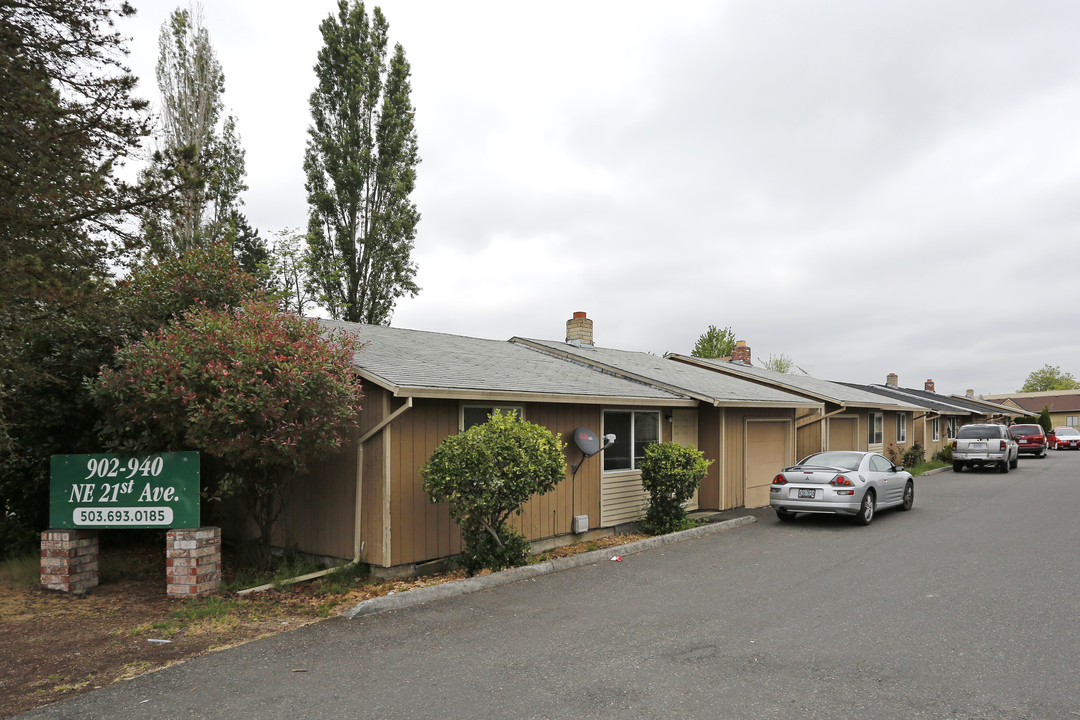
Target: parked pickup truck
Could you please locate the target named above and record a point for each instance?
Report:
(977, 445)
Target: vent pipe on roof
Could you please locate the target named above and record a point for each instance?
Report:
(741, 353)
(892, 380)
(579, 330)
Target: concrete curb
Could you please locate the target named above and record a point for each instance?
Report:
(935, 471)
(432, 593)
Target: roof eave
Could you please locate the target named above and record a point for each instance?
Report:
(520, 396)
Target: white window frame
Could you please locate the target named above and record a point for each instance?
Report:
(950, 428)
(935, 429)
(633, 425)
(876, 431)
(901, 427)
(519, 409)
(1072, 420)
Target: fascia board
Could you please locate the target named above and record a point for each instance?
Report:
(510, 396)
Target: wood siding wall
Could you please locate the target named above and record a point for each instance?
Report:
(319, 515)
(808, 438)
(710, 443)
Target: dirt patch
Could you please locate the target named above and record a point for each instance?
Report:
(54, 645)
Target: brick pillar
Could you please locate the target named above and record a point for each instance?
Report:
(193, 562)
(69, 560)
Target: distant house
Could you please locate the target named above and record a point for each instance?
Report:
(1063, 405)
(935, 424)
(849, 418)
(368, 502)
(987, 411)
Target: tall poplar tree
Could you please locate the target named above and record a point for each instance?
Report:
(204, 145)
(361, 169)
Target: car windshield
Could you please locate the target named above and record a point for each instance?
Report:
(1066, 431)
(1025, 430)
(845, 460)
(978, 432)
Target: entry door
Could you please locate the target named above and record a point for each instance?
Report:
(768, 449)
(684, 431)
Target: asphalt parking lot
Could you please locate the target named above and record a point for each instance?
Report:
(962, 608)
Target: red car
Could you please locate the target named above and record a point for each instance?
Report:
(1061, 438)
(1030, 438)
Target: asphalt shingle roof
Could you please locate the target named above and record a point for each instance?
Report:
(420, 361)
(923, 398)
(1055, 403)
(832, 392)
(714, 387)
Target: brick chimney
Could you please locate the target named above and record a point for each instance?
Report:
(741, 353)
(892, 380)
(928, 386)
(970, 393)
(579, 330)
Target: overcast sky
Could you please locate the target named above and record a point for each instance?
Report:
(866, 187)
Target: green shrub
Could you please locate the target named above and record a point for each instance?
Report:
(944, 454)
(914, 455)
(485, 474)
(670, 473)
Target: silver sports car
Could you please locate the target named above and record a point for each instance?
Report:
(841, 482)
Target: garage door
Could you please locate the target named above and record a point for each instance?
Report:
(768, 449)
(843, 433)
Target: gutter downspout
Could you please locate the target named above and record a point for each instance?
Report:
(357, 542)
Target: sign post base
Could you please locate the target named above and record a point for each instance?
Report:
(69, 560)
(193, 562)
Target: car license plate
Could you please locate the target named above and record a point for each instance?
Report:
(978, 446)
(807, 494)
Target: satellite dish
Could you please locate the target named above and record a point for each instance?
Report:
(586, 441)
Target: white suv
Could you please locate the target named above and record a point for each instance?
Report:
(977, 445)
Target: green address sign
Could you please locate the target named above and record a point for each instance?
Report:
(117, 491)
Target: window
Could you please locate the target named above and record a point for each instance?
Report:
(472, 415)
(950, 428)
(1072, 420)
(633, 430)
(877, 431)
(935, 428)
(901, 427)
(880, 464)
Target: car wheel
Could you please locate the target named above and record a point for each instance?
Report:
(1015, 462)
(866, 509)
(957, 466)
(784, 515)
(1004, 467)
(909, 495)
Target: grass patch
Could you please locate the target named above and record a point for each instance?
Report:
(135, 669)
(21, 572)
(927, 465)
(204, 609)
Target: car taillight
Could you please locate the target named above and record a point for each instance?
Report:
(779, 480)
(840, 481)
(1002, 445)
(953, 444)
